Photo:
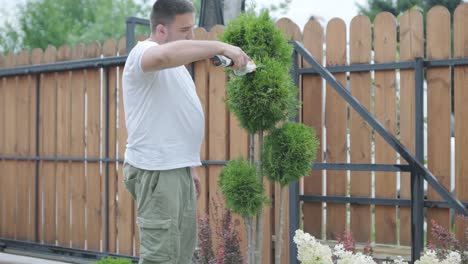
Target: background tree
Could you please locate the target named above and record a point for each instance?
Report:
(40, 23)
(57, 22)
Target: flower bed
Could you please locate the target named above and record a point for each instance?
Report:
(311, 251)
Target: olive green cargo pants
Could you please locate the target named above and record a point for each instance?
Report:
(166, 213)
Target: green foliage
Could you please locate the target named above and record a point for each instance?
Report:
(9, 38)
(451, 5)
(111, 260)
(261, 99)
(374, 7)
(282, 6)
(288, 152)
(242, 191)
(258, 37)
(57, 22)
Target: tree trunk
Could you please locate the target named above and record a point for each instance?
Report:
(252, 149)
(279, 237)
(259, 218)
(250, 245)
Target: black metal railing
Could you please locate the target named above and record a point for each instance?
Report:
(415, 166)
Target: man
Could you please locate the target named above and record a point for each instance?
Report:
(165, 124)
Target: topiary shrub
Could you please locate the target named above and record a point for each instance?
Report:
(288, 153)
(262, 99)
(243, 193)
(259, 37)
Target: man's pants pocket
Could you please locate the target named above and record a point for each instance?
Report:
(130, 179)
(157, 240)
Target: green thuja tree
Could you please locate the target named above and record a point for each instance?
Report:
(288, 153)
(262, 99)
(243, 194)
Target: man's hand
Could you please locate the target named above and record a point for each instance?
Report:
(196, 181)
(237, 55)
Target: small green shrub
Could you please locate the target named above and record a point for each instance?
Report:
(288, 152)
(112, 260)
(242, 191)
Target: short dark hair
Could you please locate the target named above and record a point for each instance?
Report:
(164, 11)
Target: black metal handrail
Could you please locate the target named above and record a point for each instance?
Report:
(415, 163)
(379, 128)
(132, 22)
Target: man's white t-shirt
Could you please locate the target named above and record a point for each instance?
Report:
(163, 114)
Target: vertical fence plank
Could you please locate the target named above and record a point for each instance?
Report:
(336, 112)
(125, 212)
(25, 168)
(109, 50)
(63, 149)
(10, 167)
(312, 115)
(439, 110)
(292, 32)
(461, 114)
(385, 111)
(290, 29)
(217, 131)
(360, 131)
(93, 143)
(31, 147)
(37, 57)
(200, 76)
(2, 146)
(77, 149)
(48, 148)
(411, 46)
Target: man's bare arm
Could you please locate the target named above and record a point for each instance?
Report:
(182, 52)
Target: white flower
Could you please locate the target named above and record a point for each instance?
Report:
(309, 251)
(347, 257)
(400, 260)
(430, 257)
(452, 258)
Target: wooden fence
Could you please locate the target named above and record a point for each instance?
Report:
(390, 96)
(73, 109)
